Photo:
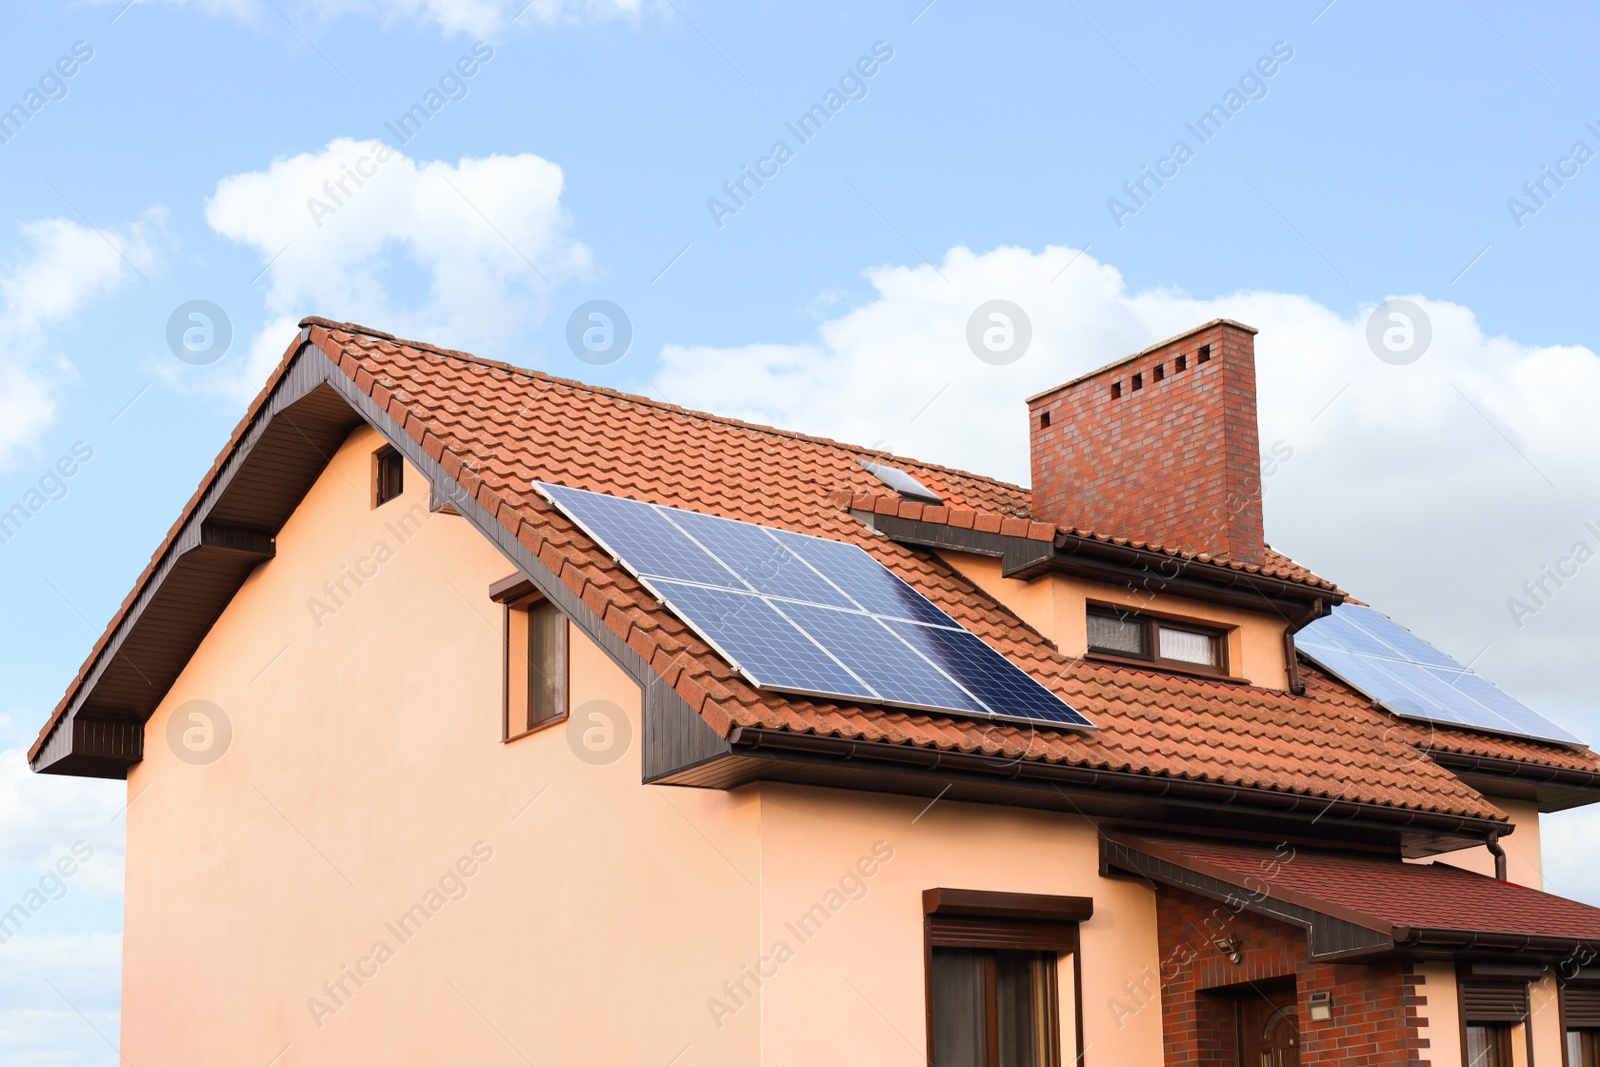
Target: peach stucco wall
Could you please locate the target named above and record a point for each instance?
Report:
(365, 764)
(1057, 607)
(1524, 858)
(863, 969)
(567, 913)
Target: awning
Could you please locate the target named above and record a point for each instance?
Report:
(1357, 904)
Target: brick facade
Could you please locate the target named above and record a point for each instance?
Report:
(1161, 447)
(1377, 1008)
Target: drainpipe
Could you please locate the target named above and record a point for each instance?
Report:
(1499, 854)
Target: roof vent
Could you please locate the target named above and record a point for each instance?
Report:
(902, 483)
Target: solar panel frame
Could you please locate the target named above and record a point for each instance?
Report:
(1400, 671)
(845, 573)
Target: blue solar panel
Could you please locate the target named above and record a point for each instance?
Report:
(1009, 691)
(868, 582)
(752, 635)
(1411, 678)
(765, 564)
(808, 615)
(880, 659)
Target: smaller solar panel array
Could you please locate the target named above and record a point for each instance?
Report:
(808, 615)
(1413, 679)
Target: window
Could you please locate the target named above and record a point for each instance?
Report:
(536, 667)
(1488, 1045)
(1002, 978)
(388, 475)
(993, 1008)
(1583, 1048)
(1495, 1014)
(1164, 642)
(1580, 1007)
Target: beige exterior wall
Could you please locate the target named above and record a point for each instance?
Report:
(1524, 859)
(863, 970)
(1057, 606)
(1443, 1015)
(365, 763)
(1549, 1038)
(562, 911)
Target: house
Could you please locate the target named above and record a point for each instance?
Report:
(433, 758)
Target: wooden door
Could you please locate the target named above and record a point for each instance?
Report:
(1269, 1028)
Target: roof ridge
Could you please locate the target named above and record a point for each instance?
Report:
(665, 405)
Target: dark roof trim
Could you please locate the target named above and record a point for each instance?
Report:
(98, 747)
(1333, 931)
(1087, 557)
(1085, 789)
(1328, 936)
(1554, 788)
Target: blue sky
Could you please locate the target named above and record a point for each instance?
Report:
(977, 160)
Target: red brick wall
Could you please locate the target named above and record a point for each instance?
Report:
(1377, 1008)
(1173, 460)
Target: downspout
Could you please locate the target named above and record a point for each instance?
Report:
(1290, 657)
(1499, 853)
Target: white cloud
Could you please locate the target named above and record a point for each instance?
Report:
(60, 267)
(60, 999)
(479, 243)
(43, 815)
(473, 17)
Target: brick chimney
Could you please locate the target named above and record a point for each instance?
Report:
(1160, 446)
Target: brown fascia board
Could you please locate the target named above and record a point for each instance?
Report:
(1418, 833)
(1332, 933)
(1332, 929)
(1553, 788)
(94, 746)
(1025, 558)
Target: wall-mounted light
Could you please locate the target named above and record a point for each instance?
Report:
(1321, 1007)
(1228, 945)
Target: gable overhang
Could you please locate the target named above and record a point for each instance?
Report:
(1026, 558)
(286, 440)
(1333, 932)
(1551, 788)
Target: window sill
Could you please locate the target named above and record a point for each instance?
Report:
(554, 721)
(1163, 667)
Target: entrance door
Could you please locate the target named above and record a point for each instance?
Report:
(1269, 1029)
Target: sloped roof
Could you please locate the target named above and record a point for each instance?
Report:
(1402, 899)
(496, 429)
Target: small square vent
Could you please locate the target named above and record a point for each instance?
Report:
(901, 482)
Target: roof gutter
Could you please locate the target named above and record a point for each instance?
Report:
(748, 740)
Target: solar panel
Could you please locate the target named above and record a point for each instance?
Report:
(1413, 679)
(808, 615)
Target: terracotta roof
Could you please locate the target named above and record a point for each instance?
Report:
(1020, 525)
(1432, 896)
(503, 428)
(497, 429)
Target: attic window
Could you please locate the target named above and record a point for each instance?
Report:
(901, 482)
(535, 667)
(1138, 381)
(1180, 364)
(388, 475)
(1205, 353)
(1161, 371)
(1044, 421)
(1116, 390)
(1129, 635)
